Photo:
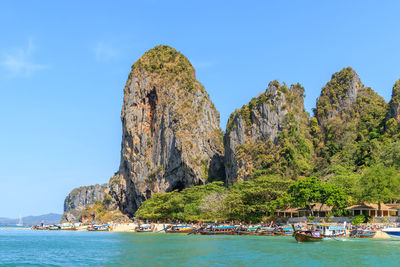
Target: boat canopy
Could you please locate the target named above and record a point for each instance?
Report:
(98, 226)
(336, 228)
(225, 227)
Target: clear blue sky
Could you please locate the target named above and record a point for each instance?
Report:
(63, 66)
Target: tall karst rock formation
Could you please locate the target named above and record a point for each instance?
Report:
(171, 130)
(269, 135)
(348, 113)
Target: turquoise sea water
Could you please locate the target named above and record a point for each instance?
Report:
(56, 248)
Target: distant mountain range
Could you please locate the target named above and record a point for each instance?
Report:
(50, 218)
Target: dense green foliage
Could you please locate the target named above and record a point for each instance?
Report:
(306, 192)
(244, 201)
(250, 200)
(380, 184)
(191, 204)
(359, 219)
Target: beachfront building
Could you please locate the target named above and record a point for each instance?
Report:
(363, 208)
(319, 210)
(371, 209)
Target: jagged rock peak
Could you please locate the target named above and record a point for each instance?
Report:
(272, 106)
(338, 94)
(261, 120)
(394, 104)
(346, 111)
(171, 134)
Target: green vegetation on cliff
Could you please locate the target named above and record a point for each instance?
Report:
(100, 213)
(164, 59)
(285, 150)
(347, 152)
(351, 118)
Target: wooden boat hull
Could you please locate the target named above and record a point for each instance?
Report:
(336, 235)
(363, 235)
(179, 231)
(245, 233)
(98, 230)
(301, 237)
(217, 233)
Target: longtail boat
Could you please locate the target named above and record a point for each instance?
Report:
(287, 231)
(257, 230)
(219, 230)
(362, 233)
(307, 235)
(330, 231)
(144, 229)
(99, 228)
(52, 227)
(179, 229)
(67, 227)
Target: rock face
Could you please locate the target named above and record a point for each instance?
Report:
(171, 134)
(394, 104)
(338, 95)
(347, 113)
(79, 198)
(258, 129)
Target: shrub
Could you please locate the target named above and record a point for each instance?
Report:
(359, 219)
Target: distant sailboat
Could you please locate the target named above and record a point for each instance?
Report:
(20, 221)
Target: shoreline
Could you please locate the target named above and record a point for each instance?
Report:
(159, 227)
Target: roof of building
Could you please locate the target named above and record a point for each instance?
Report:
(394, 205)
(370, 206)
(315, 207)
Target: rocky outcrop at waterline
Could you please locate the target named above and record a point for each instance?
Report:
(171, 133)
(80, 198)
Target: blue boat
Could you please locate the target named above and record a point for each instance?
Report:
(393, 232)
(362, 233)
(330, 231)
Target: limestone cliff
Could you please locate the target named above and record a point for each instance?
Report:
(171, 135)
(79, 198)
(347, 112)
(263, 135)
(338, 96)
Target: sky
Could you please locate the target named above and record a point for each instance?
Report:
(63, 66)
